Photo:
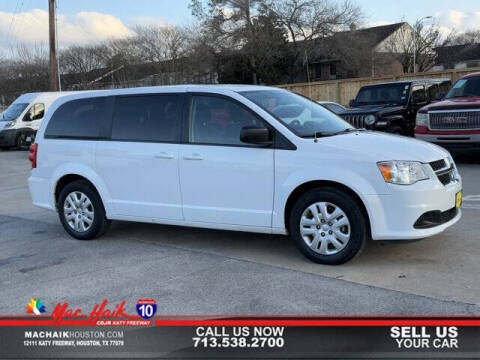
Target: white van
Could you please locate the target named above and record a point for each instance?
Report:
(20, 121)
(244, 158)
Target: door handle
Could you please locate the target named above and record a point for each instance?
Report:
(193, 157)
(163, 155)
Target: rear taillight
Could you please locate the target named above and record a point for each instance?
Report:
(33, 155)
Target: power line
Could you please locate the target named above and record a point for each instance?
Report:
(18, 13)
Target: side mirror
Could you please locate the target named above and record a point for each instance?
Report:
(439, 96)
(28, 116)
(351, 103)
(256, 135)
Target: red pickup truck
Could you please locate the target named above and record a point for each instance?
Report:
(454, 122)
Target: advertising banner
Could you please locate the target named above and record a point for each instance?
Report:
(107, 330)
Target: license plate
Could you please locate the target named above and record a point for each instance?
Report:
(458, 199)
(28, 139)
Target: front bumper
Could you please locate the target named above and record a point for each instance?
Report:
(393, 217)
(452, 140)
(8, 137)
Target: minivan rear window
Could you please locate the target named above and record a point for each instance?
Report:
(147, 118)
(83, 118)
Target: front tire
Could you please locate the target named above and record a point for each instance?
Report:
(81, 211)
(21, 142)
(397, 130)
(328, 226)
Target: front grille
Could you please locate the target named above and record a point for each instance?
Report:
(455, 120)
(437, 165)
(355, 120)
(435, 218)
(445, 178)
(444, 171)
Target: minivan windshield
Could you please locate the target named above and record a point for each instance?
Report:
(13, 111)
(465, 88)
(301, 115)
(390, 94)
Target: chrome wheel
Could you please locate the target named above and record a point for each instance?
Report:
(78, 211)
(325, 228)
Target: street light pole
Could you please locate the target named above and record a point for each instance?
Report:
(53, 46)
(415, 43)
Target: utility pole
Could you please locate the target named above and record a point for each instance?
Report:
(53, 47)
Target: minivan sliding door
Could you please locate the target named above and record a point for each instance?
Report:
(140, 163)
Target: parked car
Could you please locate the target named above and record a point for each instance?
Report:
(333, 107)
(454, 122)
(392, 107)
(20, 121)
(241, 158)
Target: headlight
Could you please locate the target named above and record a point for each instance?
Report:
(456, 174)
(422, 119)
(403, 172)
(370, 120)
(9, 124)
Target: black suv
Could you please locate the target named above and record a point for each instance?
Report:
(392, 107)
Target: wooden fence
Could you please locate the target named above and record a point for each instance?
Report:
(342, 91)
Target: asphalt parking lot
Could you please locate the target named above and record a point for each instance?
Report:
(198, 271)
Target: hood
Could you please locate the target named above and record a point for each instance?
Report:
(2, 124)
(372, 109)
(472, 102)
(379, 146)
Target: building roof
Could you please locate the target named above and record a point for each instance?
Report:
(359, 41)
(377, 34)
(457, 53)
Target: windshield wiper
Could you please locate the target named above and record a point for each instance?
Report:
(318, 134)
(349, 130)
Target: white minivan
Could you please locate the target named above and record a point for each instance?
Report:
(20, 121)
(243, 158)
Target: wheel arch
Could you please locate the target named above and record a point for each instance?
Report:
(314, 184)
(396, 120)
(69, 178)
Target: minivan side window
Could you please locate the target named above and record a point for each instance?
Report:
(83, 118)
(217, 120)
(155, 118)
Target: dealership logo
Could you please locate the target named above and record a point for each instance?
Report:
(35, 306)
(101, 315)
(146, 308)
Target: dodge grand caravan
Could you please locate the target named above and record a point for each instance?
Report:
(241, 158)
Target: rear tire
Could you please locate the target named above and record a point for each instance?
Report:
(81, 211)
(335, 234)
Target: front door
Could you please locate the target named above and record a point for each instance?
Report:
(223, 180)
(140, 163)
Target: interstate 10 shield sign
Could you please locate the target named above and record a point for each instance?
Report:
(146, 308)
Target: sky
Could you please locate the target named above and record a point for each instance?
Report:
(86, 21)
